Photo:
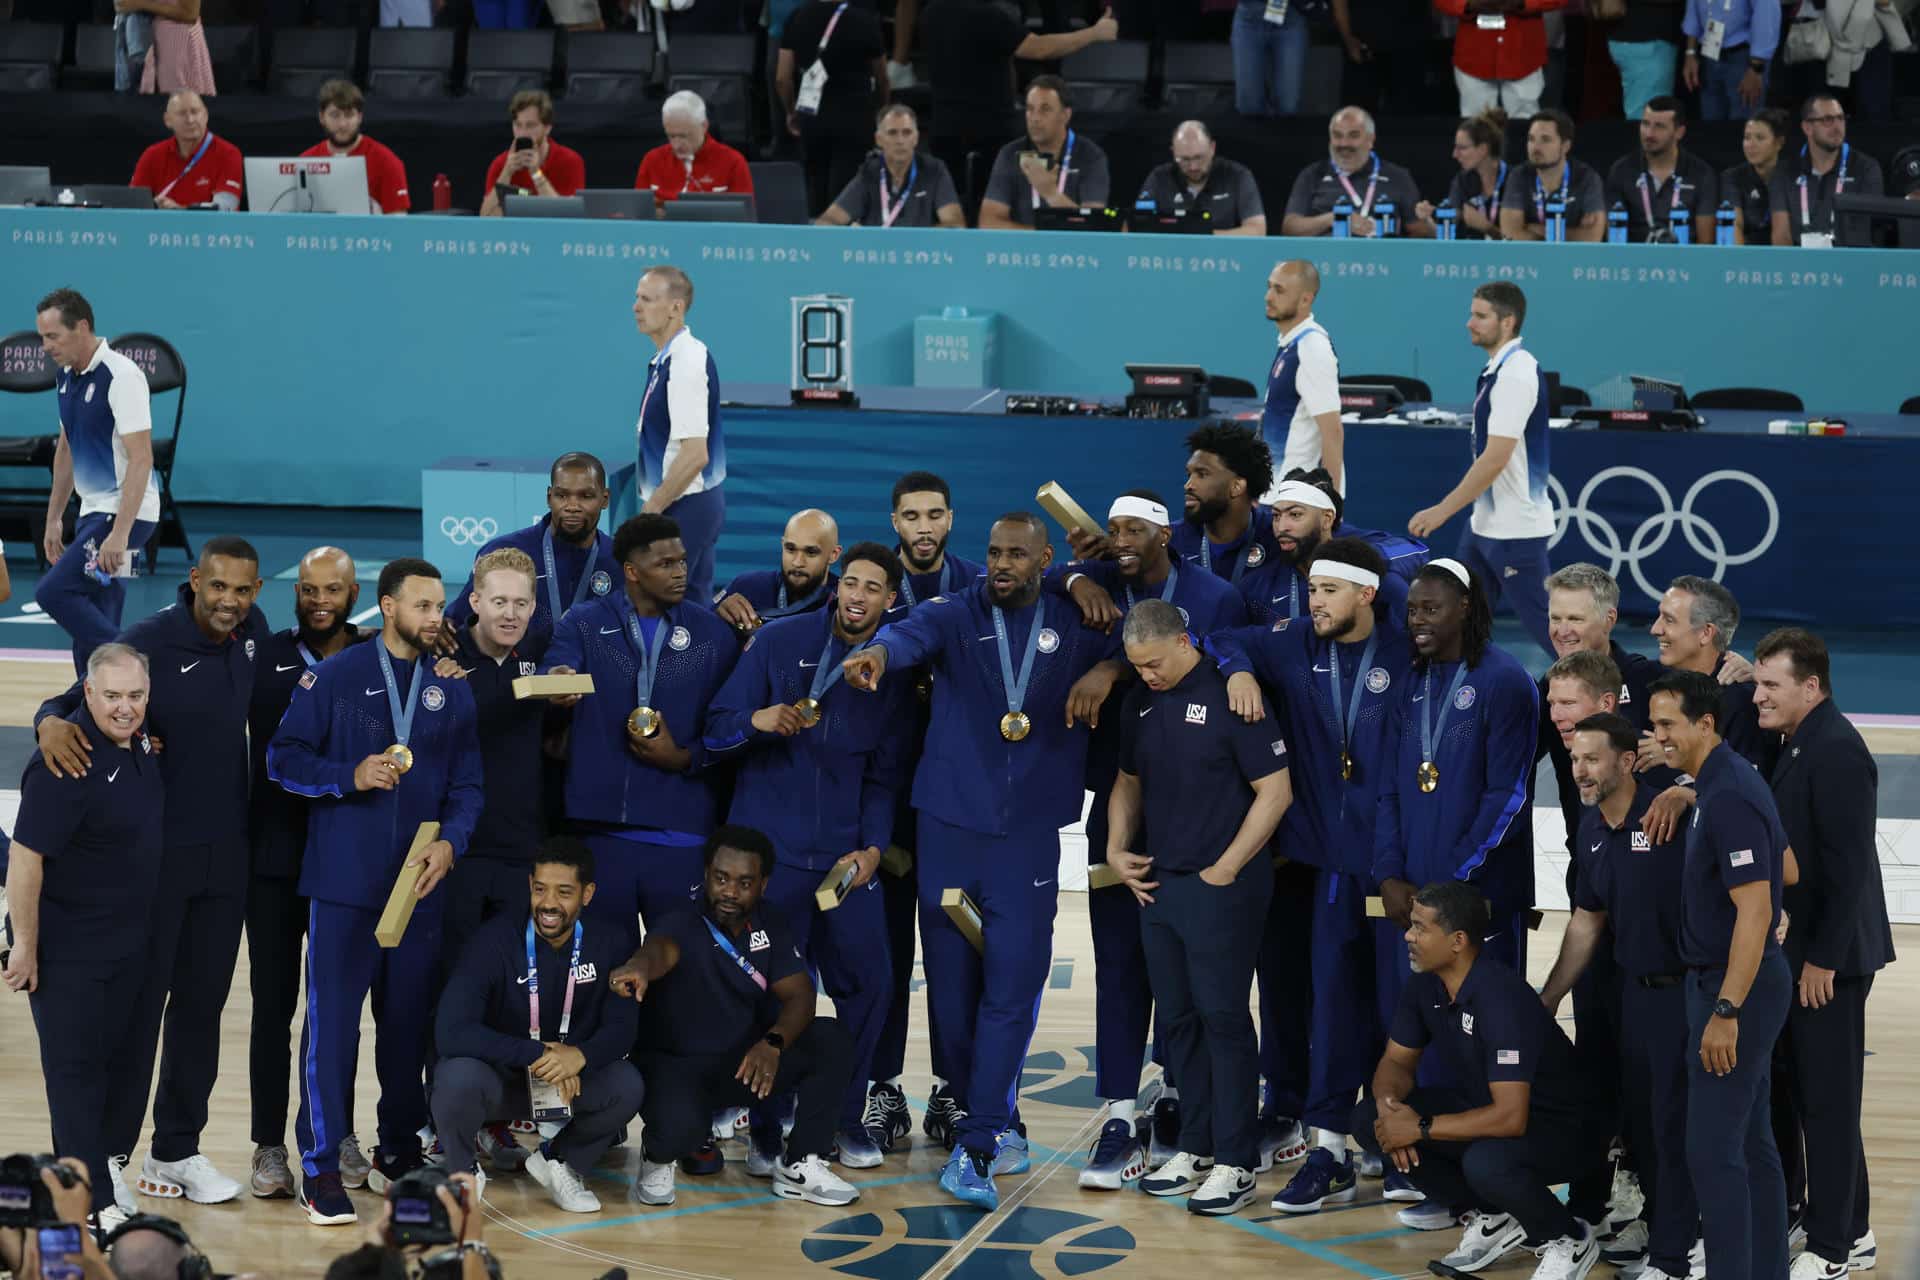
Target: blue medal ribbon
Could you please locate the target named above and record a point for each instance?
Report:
(782, 609)
(946, 583)
(1166, 592)
(1016, 685)
(1352, 716)
(1240, 562)
(1429, 730)
(649, 665)
(553, 576)
(402, 718)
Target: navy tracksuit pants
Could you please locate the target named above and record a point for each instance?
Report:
(1286, 990)
(1653, 1086)
(86, 608)
(700, 517)
(1344, 1027)
(1122, 993)
(94, 1063)
(639, 878)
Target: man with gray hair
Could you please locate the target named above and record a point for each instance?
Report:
(1199, 794)
(1695, 627)
(1196, 183)
(1353, 192)
(691, 159)
(898, 185)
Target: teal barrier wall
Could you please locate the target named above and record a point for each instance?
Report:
(332, 359)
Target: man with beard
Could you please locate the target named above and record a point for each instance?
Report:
(820, 770)
(809, 548)
(643, 802)
(324, 598)
(1139, 529)
(1333, 682)
(341, 109)
(574, 560)
(1306, 512)
(1226, 530)
(380, 745)
(202, 653)
(1301, 418)
(1002, 774)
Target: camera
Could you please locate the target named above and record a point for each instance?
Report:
(24, 1198)
(418, 1215)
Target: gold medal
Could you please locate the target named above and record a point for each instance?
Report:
(809, 709)
(1346, 767)
(644, 721)
(401, 755)
(1428, 774)
(1015, 725)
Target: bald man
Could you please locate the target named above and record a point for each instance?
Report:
(323, 600)
(1380, 197)
(1301, 419)
(1196, 183)
(809, 548)
(193, 169)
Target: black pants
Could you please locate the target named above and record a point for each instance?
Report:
(956, 149)
(1826, 1050)
(276, 924)
(1201, 941)
(1596, 1012)
(831, 151)
(1284, 967)
(478, 889)
(469, 1093)
(95, 1065)
(1654, 1086)
(1502, 1175)
(683, 1092)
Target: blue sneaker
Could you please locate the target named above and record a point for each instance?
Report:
(968, 1177)
(1321, 1179)
(1397, 1186)
(1116, 1158)
(1010, 1152)
(856, 1148)
(1163, 1132)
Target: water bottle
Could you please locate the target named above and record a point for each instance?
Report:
(1617, 224)
(442, 193)
(1446, 221)
(1342, 215)
(1556, 218)
(1723, 223)
(1386, 219)
(1145, 211)
(1682, 224)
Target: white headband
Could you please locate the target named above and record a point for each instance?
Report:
(1140, 509)
(1300, 493)
(1340, 569)
(1455, 568)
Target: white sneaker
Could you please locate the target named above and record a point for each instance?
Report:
(354, 1165)
(1488, 1238)
(1865, 1254)
(1180, 1176)
(122, 1194)
(1811, 1266)
(1227, 1190)
(564, 1185)
(900, 75)
(811, 1179)
(1697, 1261)
(1629, 1243)
(195, 1178)
(656, 1183)
(1626, 1201)
(110, 1220)
(1568, 1258)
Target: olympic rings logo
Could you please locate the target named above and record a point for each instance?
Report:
(466, 531)
(1653, 532)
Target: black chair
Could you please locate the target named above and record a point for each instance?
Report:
(1230, 388)
(25, 370)
(721, 70)
(1745, 398)
(780, 191)
(1910, 405)
(92, 58)
(1199, 78)
(304, 58)
(29, 55)
(235, 50)
(502, 63)
(606, 67)
(414, 63)
(165, 371)
(1411, 388)
(1568, 397)
(21, 183)
(1108, 78)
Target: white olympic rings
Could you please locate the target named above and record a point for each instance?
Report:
(1652, 533)
(466, 531)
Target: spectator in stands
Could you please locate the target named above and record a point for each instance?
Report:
(1475, 191)
(194, 167)
(1747, 183)
(1645, 46)
(409, 13)
(897, 186)
(1736, 39)
(341, 110)
(1350, 156)
(1270, 40)
(535, 164)
(1052, 165)
(1803, 188)
(1196, 179)
(969, 44)
(1661, 177)
(1552, 172)
(906, 14)
(179, 58)
(831, 75)
(1499, 53)
(1862, 76)
(691, 159)
(1386, 43)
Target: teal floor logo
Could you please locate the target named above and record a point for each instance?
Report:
(1061, 1077)
(905, 1244)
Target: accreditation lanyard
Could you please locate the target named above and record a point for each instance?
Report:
(1166, 591)
(1540, 192)
(1486, 200)
(1839, 184)
(1373, 180)
(1066, 163)
(891, 209)
(533, 986)
(402, 716)
(1240, 561)
(201, 150)
(1648, 187)
(1430, 729)
(1347, 721)
(649, 655)
(946, 583)
(553, 576)
(725, 943)
(1016, 685)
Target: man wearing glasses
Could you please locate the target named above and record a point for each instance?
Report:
(1804, 185)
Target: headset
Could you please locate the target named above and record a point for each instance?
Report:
(194, 1266)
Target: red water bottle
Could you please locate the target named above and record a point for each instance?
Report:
(442, 193)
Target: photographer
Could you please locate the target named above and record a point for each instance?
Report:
(535, 164)
(449, 1250)
(59, 1236)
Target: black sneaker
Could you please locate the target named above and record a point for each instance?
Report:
(704, 1162)
(943, 1118)
(390, 1168)
(887, 1117)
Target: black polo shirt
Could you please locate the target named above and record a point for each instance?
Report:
(1692, 183)
(511, 822)
(101, 838)
(929, 189)
(1465, 190)
(1196, 761)
(1317, 188)
(1088, 181)
(1752, 196)
(846, 100)
(1733, 838)
(708, 1004)
(969, 47)
(1637, 883)
(1585, 193)
(277, 818)
(1229, 195)
(1863, 178)
(1497, 1031)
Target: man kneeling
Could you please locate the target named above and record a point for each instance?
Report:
(529, 1028)
(1526, 1113)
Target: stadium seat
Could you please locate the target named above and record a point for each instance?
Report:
(25, 370)
(607, 66)
(1411, 388)
(410, 63)
(1567, 397)
(502, 63)
(304, 58)
(1910, 405)
(721, 70)
(1320, 83)
(1199, 78)
(780, 191)
(1746, 398)
(29, 55)
(1108, 78)
(235, 50)
(165, 371)
(92, 58)
(1228, 387)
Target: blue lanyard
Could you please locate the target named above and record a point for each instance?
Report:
(946, 582)
(828, 673)
(553, 576)
(649, 656)
(1066, 162)
(1489, 198)
(1293, 611)
(402, 719)
(1166, 592)
(1359, 682)
(533, 985)
(1540, 192)
(1016, 686)
(1430, 731)
(888, 212)
(726, 944)
(782, 609)
(1240, 563)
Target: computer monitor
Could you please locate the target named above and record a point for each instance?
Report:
(24, 183)
(519, 206)
(308, 184)
(711, 206)
(618, 202)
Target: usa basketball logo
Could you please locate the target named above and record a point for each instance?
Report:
(1463, 699)
(1378, 680)
(433, 698)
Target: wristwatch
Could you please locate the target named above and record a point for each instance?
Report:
(1726, 1009)
(1757, 64)
(1426, 1128)
(775, 1039)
